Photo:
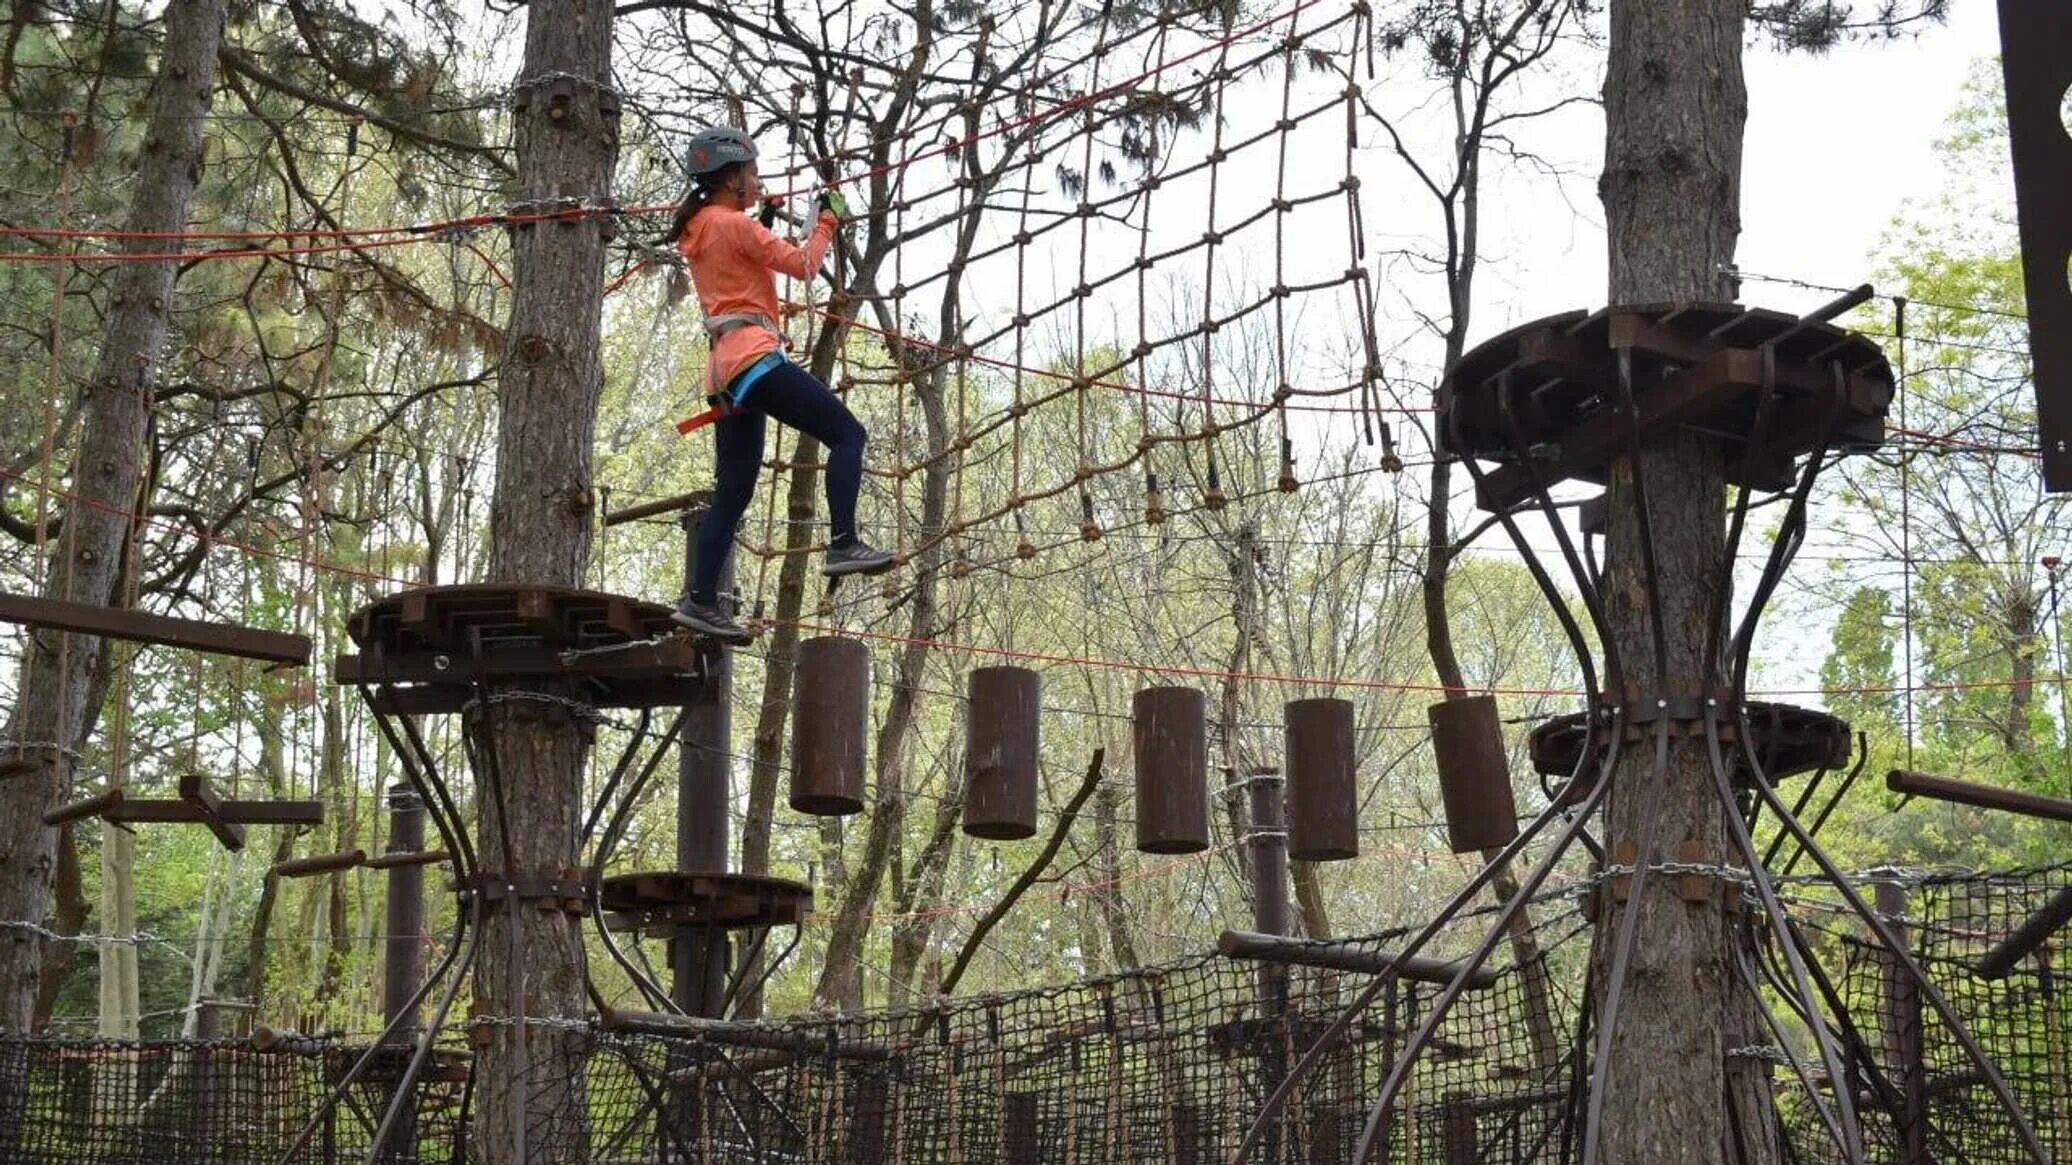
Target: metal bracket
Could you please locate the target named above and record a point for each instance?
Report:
(570, 893)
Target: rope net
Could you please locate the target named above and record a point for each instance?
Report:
(1164, 1064)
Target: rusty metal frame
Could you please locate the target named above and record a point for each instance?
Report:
(1819, 418)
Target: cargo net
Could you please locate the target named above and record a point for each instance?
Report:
(224, 1102)
(1169, 1064)
(1920, 1096)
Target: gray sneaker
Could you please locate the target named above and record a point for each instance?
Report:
(711, 621)
(859, 557)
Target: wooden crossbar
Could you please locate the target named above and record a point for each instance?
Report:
(164, 630)
(197, 805)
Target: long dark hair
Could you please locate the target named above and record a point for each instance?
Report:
(701, 192)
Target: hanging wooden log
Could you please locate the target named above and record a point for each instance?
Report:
(1323, 775)
(1474, 774)
(1003, 727)
(1172, 757)
(830, 718)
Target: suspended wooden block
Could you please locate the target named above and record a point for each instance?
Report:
(1172, 751)
(1474, 774)
(830, 717)
(1003, 721)
(1323, 775)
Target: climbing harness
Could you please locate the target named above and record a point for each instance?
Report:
(727, 401)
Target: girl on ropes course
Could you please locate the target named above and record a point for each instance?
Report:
(733, 260)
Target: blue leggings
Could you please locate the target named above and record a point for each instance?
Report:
(796, 399)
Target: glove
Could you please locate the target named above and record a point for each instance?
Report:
(768, 215)
(832, 202)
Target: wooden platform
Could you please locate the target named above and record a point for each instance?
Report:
(431, 646)
(659, 902)
(1552, 389)
(1792, 740)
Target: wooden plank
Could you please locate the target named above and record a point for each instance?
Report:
(163, 630)
(165, 812)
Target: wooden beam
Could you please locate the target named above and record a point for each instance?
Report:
(144, 627)
(1981, 796)
(1343, 956)
(2031, 934)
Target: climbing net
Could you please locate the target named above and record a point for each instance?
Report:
(1168, 1063)
(1127, 241)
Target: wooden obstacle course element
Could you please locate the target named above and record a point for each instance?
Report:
(1003, 734)
(1979, 796)
(198, 804)
(1323, 780)
(1338, 955)
(161, 630)
(1553, 386)
(429, 648)
(659, 902)
(830, 721)
(1170, 728)
(319, 864)
(1474, 774)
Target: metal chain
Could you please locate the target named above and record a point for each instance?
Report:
(585, 713)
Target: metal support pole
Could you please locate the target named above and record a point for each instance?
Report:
(1269, 844)
(403, 948)
(403, 953)
(704, 801)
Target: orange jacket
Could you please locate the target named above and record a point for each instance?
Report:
(733, 260)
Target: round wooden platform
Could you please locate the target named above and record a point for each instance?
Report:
(660, 901)
(1551, 390)
(1792, 740)
(432, 645)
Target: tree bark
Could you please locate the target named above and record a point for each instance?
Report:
(532, 1095)
(59, 670)
(1675, 106)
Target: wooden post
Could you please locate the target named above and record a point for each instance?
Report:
(1323, 774)
(1003, 726)
(830, 720)
(1172, 762)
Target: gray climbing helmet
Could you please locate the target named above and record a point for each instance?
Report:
(716, 148)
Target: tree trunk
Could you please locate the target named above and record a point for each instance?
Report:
(1675, 104)
(68, 917)
(532, 1094)
(916, 925)
(120, 1007)
(59, 671)
(1121, 943)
